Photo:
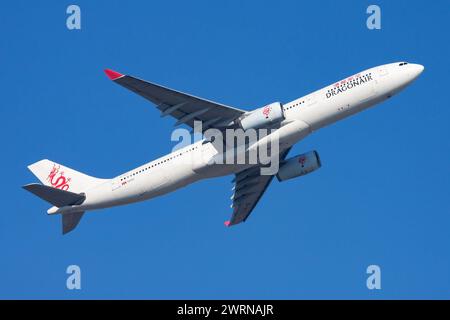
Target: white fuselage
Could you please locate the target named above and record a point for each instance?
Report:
(302, 116)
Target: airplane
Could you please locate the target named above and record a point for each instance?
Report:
(72, 193)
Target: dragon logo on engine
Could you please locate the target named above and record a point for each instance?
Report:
(302, 161)
(58, 179)
(266, 111)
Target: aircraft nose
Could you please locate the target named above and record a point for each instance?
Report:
(416, 70)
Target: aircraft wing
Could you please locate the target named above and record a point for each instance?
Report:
(183, 107)
(249, 187)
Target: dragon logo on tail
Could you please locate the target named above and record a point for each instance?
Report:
(57, 178)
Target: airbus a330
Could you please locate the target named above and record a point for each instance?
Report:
(72, 193)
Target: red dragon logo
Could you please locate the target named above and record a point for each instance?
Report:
(302, 161)
(57, 179)
(266, 111)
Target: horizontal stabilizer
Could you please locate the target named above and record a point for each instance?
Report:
(56, 197)
(70, 221)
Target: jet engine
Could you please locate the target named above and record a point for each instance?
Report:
(299, 166)
(263, 117)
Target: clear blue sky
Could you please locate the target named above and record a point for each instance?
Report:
(381, 197)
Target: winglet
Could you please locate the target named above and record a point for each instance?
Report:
(113, 75)
(227, 223)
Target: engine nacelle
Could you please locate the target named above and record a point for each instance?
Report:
(299, 166)
(263, 117)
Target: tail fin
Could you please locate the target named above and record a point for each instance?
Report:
(62, 187)
(57, 176)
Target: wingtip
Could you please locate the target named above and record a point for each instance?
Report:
(29, 186)
(227, 223)
(113, 75)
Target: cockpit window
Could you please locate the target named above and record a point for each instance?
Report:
(403, 64)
